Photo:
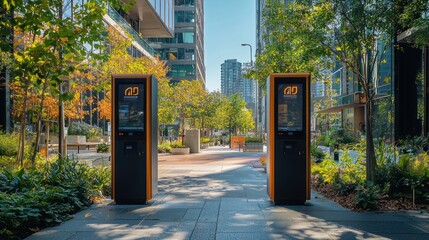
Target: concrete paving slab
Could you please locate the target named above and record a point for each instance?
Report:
(242, 226)
(216, 194)
(192, 214)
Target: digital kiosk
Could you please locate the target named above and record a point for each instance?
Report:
(134, 138)
(288, 127)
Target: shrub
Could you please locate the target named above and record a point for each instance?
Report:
(103, 147)
(205, 140)
(81, 128)
(315, 152)
(328, 171)
(42, 197)
(100, 178)
(8, 144)
(9, 150)
(352, 171)
(164, 147)
(253, 139)
(178, 144)
(367, 196)
(343, 188)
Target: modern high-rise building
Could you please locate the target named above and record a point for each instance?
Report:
(146, 18)
(158, 21)
(231, 80)
(185, 51)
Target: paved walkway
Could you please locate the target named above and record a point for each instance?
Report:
(218, 195)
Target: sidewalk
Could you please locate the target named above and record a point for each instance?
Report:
(216, 194)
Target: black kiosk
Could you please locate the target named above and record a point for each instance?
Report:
(288, 127)
(134, 138)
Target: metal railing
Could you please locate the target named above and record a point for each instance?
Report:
(111, 12)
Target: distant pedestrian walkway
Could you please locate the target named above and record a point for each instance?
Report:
(218, 195)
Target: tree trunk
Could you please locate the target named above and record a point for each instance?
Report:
(371, 162)
(39, 125)
(21, 144)
(97, 111)
(90, 108)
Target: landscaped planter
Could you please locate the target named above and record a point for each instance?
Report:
(180, 151)
(253, 147)
(76, 139)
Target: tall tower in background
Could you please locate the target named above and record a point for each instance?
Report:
(185, 52)
(230, 78)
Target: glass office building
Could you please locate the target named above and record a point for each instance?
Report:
(185, 51)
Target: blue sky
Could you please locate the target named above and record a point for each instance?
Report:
(228, 24)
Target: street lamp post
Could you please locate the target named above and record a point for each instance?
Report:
(256, 89)
(251, 55)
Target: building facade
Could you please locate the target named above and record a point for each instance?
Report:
(185, 51)
(146, 18)
(231, 80)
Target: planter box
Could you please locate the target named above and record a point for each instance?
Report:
(253, 147)
(204, 145)
(76, 139)
(180, 151)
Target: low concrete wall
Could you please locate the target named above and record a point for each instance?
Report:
(76, 139)
(192, 140)
(180, 151)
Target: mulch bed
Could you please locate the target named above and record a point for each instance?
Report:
(384, 204)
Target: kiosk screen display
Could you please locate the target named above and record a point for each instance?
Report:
(290, 107)
(131, 107)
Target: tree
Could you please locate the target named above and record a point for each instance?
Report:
(189, 98)
(120, 62)
(233, 115)
(212, 101)
(51, 37)
(355, 32)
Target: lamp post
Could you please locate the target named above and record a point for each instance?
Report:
(251, 55)
(256, 89)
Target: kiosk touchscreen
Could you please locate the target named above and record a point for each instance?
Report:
(134, 115)
(289, 138)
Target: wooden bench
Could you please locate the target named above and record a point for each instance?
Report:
(86, 144)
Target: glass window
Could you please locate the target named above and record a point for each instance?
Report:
(182, 71)
(185, 16)
(186, 37)
(185, 2)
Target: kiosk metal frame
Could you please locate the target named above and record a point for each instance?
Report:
(288, 165)
(134, 138)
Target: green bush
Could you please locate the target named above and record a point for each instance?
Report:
(9, 150)
(100, 178)
(410, 172)
(328, 171)
(315, 152)
(253, 139)
(367, 196)
(84, 129)
(343, 188)
(164, 147)
(178, 144)
(8, 144)
(42, 197)
(103, 147)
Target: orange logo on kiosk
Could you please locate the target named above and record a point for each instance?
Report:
(132, 91)
(291, 90)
